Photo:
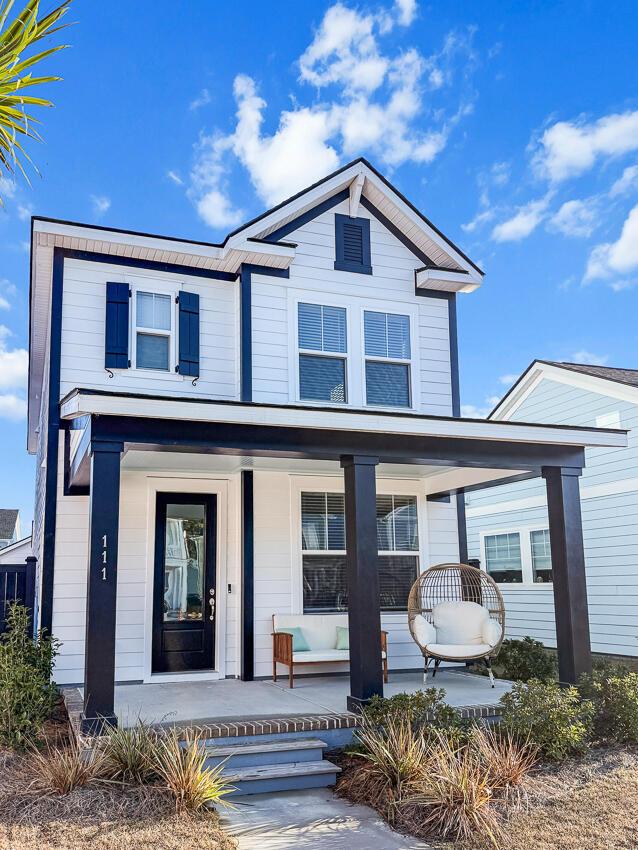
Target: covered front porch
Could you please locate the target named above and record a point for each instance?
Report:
(445, 455)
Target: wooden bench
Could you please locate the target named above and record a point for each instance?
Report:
(320, 632)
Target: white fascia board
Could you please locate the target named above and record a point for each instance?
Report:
(286, 252)
(455, 479)
(447, 281)
(80, 404)
(538, 371)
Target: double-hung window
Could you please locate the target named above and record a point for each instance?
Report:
(323, 348)
(153, 330)
(387, 359)
(519, 556)
(324, 551)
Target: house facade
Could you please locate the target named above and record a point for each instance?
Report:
(507, 527)
(268, 425)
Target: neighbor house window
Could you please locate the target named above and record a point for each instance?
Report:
(324, 551)
(322, 353)
(519, 556)
(387, 353)
(153, 329)
(503, 557)
(541, 556)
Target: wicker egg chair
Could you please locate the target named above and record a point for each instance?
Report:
(446, 623)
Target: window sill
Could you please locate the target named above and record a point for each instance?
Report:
(154, 373)
(540, 585)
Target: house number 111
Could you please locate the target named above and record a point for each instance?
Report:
(104, 550)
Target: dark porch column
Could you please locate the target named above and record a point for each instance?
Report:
(568, 569)
(104, 514)
(364, 614)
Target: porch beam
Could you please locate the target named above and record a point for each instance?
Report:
(362, 573)
(247, 670)
(104, 514)
(568, 572)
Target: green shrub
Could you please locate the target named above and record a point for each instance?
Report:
(550, 717)
(614, 693)
(522, 660)
(27, 694)
(422, 710)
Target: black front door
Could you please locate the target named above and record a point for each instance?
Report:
(184, 593)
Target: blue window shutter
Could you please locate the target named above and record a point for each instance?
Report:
(116, 336)
(352, 243)
(189, 334)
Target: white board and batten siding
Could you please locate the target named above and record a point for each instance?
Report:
(314, 279)
(609, 499)
(83, 327)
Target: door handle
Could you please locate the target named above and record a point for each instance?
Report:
(211, 602)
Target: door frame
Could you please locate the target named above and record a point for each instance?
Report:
(224, 488)
(209, 502)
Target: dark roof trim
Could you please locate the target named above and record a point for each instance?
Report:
(434, 267)
(322, 409)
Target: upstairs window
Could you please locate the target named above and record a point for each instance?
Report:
(519, 556)
(352, 241)
(153, 330)
(323, 542)
(387, 353)
(322, 353)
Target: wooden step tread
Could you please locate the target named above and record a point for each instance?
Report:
(228, 750)
(278, 771)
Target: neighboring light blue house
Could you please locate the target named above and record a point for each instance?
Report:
(507, 526)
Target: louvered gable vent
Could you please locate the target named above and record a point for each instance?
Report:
(352, 240)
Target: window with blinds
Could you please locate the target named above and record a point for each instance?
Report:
(323, 347)
(541, 556)
(503, 557)
(323, 545)
(153, 320)
(387, 352)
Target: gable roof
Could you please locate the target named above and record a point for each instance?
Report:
(8, 520)
(607, 380)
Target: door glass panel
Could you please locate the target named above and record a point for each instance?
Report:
(184, 562)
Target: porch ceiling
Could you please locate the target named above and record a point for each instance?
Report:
(451, 454)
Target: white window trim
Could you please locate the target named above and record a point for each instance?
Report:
(525, 536)
(155, 287)
(355, 355)
(334, 484)
(409, 362)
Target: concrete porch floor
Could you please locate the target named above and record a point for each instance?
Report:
(232, 699)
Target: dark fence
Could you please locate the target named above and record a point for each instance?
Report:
(17, 584)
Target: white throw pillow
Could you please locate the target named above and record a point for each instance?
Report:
(424, 631)
(492, 632)
(459, 622)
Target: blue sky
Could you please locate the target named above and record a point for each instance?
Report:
(512, 125)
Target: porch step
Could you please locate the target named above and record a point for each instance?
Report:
(266, 752)
(293, 776)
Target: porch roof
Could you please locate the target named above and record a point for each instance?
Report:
(463, 453)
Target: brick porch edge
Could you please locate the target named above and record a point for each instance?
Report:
(267, 726)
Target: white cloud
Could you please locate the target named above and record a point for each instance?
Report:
(25, 211)
(4, 304)
(471, 411)
(589, 358)
(202, 99)
(622, 285)
(101, 205)
(576, 218)
(500, 173)
(174, 176)
(12, 407)
(479, 219)
(522, 223)
(569, 148)
(8, 187)
(611, 259)
(507, 380)
(377, 104)
(13, 377)
(627, 181)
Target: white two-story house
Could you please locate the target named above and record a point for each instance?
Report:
(262, 426)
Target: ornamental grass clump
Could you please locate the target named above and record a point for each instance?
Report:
(60, 770)
(180, 766)
(614, 694)
(507, 760)
(554, 719)
(27, 694)
(129, 754)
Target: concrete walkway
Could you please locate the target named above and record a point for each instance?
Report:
(311, 820)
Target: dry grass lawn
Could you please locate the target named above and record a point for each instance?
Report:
(106, 817)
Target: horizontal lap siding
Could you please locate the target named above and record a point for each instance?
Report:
(83, 319)
(610, 530)
(313, 275)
